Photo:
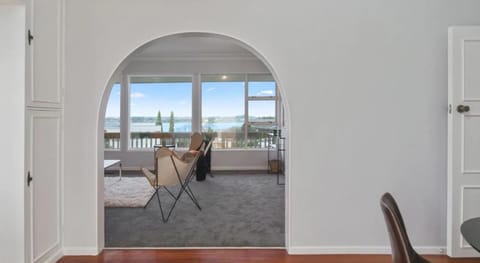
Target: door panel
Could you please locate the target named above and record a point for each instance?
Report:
(463, 136)
(471, 144)
(471, 69)
(44, 54)
(44, 164)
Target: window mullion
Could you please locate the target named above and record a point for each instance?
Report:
(277, 106)
(124, 114)
(245, 130)
(196, 103)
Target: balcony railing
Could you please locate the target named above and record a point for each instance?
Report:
(221, 140)
(112, 140)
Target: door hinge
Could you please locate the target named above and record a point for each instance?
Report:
(30, 37)
(29, 179)
(450, 108)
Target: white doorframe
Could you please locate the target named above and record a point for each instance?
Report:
(463, 136)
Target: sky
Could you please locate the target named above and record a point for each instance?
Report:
(220, 99)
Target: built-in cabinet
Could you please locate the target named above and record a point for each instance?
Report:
(44, 177)
(44, 130)
(44, 53)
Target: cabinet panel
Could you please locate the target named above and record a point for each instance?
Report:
(44, 61)
(44, 145)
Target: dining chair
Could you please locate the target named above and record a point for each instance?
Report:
(171, 171)
(402, 250)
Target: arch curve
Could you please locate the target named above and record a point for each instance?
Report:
(117, 71)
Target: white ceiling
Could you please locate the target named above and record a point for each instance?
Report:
(191, 46)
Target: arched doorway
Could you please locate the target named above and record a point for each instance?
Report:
(208, 63)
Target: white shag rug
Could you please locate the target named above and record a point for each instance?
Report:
(127, 192)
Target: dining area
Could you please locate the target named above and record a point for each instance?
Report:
(402, 250)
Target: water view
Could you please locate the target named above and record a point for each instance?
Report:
(113, 125)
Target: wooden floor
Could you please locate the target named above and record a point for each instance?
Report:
(234, 256)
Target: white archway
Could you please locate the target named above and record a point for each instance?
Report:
(103, 106)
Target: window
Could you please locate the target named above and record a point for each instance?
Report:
(223, 109)
(112, 119)
(237, 119)
(160, 105)
(261, 99)
(239, 110)
(261, 86)
(262, 108)
(261, 112)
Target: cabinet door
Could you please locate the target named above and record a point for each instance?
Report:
(43, 146)
(44, 53)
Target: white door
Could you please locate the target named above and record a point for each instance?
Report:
(43, 203)
(463, 136)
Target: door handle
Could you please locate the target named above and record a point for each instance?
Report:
(29, 179)
(463, 108)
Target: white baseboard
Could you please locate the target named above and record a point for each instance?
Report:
(54, 257)
(294, 250)
(80, 251)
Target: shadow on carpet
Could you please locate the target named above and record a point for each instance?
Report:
(237, 211)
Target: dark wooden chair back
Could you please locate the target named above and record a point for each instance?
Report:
(402, 250)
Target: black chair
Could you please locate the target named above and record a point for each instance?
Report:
(402, 250)
(203, 163)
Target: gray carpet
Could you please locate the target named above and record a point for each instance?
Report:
(237, 211)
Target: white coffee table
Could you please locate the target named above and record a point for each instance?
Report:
(110, 163)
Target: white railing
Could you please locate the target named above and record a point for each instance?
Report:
(221, 140)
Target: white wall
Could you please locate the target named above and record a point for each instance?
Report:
(365, 84)
(12, 114)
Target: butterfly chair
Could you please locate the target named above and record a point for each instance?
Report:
(171, 171)
(196, 141)
(402, 250)
(196, 145)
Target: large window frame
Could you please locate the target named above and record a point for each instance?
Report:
(196, 114)
(151, 138)
(268, 125)
(259, 127)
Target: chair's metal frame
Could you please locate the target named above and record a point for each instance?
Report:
(184, 187)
